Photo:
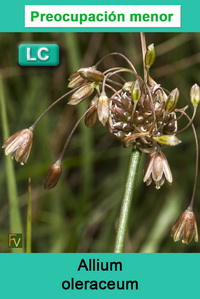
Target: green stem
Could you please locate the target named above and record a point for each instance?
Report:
(86, 141)
(15, 219)
(29, 220)
(126, 202)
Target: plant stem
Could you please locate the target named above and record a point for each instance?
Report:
(29, 220)
(15, 219)
(144, 49)
(86, 139)
(127, 199)
(71, 134)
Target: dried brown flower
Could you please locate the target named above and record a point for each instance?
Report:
(91, 116)
(81, 94)
(91, 74)
(103, 109)
(185, 228)
(75, 80)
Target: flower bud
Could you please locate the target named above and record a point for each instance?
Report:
(91, 116)
(19, 145)
(81, 94)
(159, 96)
(127, 86)
(75, 80)
(91, 74)
(185, 228)
(103, 109)
(172, 100)
(135, 91)
(150, 56)
(53, 175)
(170, 140)
(195, 95)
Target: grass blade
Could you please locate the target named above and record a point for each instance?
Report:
(28, 221)
(15, 221)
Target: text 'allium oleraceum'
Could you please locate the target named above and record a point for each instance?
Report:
(19, 145)
(185, 228)
(138, 112)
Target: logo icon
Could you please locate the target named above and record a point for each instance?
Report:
(14, 240)
(38, 55)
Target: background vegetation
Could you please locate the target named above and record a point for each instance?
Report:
(81, 213)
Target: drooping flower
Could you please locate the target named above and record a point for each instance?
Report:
(81, 94)
(19, 145)
(103, 109)
(75, 80)
(91, 74)
(185, 228)
(53, 175)
(91, 116)
(157, 169)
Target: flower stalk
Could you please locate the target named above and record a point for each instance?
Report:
(126, 201)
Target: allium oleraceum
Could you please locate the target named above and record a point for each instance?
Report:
(157, 169)
(185, 228)
(19, 145)
(138, 112)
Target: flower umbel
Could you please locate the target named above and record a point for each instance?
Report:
(185, 228)
(19, 145)
(157, 169)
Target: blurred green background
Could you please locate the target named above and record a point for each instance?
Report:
(81, 213)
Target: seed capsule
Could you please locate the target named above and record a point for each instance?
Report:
(81, 94)
(91, 74)
(150, 56)
(195, 95)
(172, 101)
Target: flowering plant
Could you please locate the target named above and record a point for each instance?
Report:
(140, 113)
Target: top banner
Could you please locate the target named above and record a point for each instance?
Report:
(102, 16)
(112, 16)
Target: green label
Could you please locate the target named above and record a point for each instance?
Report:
(38, 55)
